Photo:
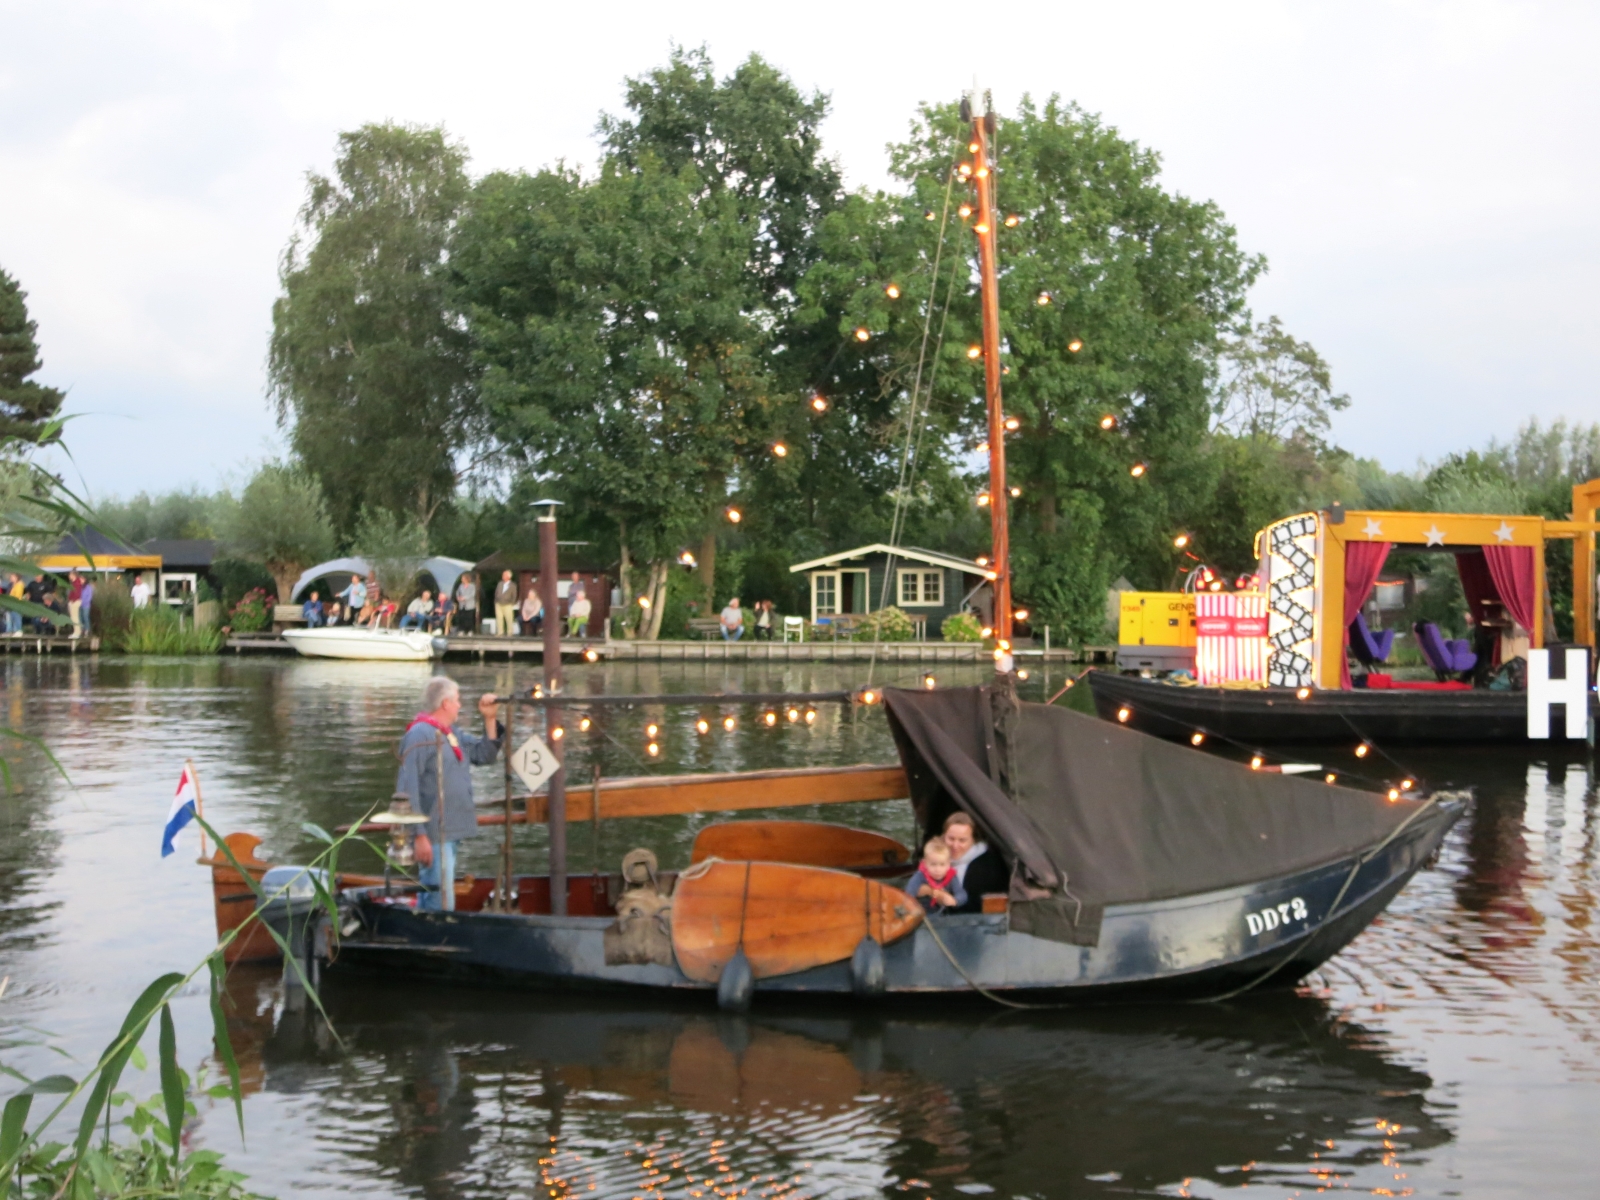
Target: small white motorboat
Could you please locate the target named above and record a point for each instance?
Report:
(347, 641)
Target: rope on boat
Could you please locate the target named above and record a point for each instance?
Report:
(1361, 861)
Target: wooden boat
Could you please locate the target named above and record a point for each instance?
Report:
(1254, 717)
(384, 645)
(1140, 868)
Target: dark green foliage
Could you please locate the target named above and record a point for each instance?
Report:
(180, 514)
(237, 576)
(27, 407)
(369, 360)
(253, 611)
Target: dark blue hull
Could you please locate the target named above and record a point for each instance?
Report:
(1273, 932)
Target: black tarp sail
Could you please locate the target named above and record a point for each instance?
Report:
(1092, 813)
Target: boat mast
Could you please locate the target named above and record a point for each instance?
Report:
(983, 128)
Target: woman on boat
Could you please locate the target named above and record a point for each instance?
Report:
(978, 866)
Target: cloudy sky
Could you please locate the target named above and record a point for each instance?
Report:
(1421, 176)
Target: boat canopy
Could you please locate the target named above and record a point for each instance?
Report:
(1091, 813)
(445, 571)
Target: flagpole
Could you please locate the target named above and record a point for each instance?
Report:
(199, 804)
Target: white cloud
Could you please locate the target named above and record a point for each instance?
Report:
(1417, 173)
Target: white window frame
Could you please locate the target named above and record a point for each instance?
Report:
(833, 605)
(923, 576)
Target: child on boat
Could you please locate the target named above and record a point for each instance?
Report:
(935, 884)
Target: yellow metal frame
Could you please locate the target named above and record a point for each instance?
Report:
(1454, 529)
(103, 562)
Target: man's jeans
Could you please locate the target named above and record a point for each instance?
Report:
(444, 864)
(732, 635)
(412, 621)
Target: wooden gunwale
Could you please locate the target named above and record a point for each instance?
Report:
(730, 791)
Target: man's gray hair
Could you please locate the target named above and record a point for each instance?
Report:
(435, 691)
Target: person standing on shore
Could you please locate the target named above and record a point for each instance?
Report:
(140, 592)
(467, 604)
(86, 603)
(355, 599)
(505, 604)
(436, 761)
(75, 602)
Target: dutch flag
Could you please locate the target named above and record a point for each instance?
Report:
(182, 812)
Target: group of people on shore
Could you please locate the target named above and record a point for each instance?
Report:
(363, 604)
(69, 602)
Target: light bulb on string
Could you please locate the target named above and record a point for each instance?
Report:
(1020, 615)
(651, 731)
(1302, 693)
(644, 603)
(735, 516)
(965, 169)
(1074, 345)
(1137, 470)
(818, 404)
(1124, 713)
(702, 726)
(1108, 422)
(983, 560)
(928, 214)
(1015, 492)
(1043, 299)
(729, 724)
(686, 558)
(557, 734)
(591, 655)
(863, 333)
(972, 147)
(1012, 220)
(1329, 777)
(983, 499)
(811, 716)
(983, 448)
(1013, 424)
(974, 351)
(1197, 738)
(986, 631)
(1181, 540)
(1022, 672)
(1255, 762)
(982, 172)
(653, 749)
(583, 724)
(892, 291)
(780, 450)
(1363, 750)
(981, 227)
(793, 714)
(929, 682)
(964, 211)
(770, 718)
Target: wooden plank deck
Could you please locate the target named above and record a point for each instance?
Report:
(33, 643)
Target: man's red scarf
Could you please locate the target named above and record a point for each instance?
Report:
(428, 719)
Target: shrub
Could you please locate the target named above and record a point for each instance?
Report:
(961, 627)
(886, 625)
(159, 629)
(253, 613)
(111, 610)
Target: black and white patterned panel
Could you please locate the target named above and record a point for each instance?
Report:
(1291, 599)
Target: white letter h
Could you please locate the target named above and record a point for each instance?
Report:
(1573, 691)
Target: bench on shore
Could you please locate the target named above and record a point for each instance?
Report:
(705, 627)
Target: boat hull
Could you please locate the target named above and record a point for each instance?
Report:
(1260, 716)
(372, 645)
(1193, 946)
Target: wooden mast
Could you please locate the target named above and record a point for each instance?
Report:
(983, 127)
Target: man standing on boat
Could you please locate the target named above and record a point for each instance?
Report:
(436, 761)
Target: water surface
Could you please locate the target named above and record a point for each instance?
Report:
(1451, 1050)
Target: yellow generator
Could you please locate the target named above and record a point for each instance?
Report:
(1155, 631)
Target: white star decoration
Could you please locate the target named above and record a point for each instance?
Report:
(1504, 533)
(1434, 534)
(1374, 528)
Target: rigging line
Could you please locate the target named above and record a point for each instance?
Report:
(907, 467)
(1345, 717)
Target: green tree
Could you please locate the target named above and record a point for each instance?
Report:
(1114, 295)
(27, 407)
(394, 545)
(281, 521)
(369, 362)
(1275, 387)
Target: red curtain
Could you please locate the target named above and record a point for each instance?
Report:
(1477, 584)
(1511, 568)
(1362, 563)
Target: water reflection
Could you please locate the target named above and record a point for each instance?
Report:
(470, 1093)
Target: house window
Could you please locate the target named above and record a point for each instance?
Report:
(824, 595)
(921, 588)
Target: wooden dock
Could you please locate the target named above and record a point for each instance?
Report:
(486, 649)
(33, 643)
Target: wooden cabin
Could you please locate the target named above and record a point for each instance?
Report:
(927, 584)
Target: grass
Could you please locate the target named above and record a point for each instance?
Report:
(158, 629)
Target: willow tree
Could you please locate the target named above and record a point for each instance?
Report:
(370, 363)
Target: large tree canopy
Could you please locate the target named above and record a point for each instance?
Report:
(1114, 296)
(27, 407)
(369, 361)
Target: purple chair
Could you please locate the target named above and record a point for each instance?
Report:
(1447, 658)
(1371, 649)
